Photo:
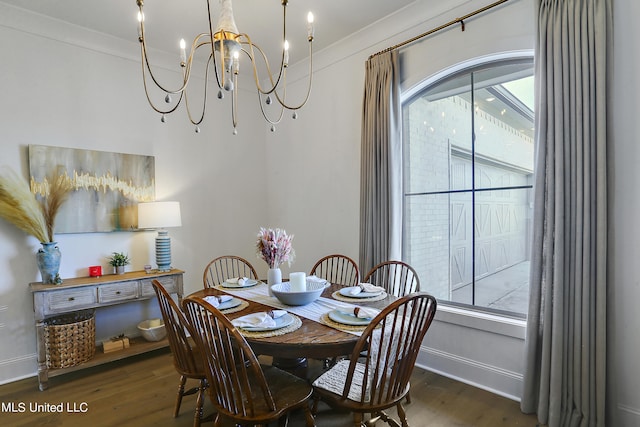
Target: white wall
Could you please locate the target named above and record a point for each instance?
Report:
(62, 86)
(623, 358)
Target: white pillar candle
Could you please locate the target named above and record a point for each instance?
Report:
(297, 282)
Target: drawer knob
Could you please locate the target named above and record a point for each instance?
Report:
(117, 292)
(71, 298)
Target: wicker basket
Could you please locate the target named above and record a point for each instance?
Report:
(70, 339)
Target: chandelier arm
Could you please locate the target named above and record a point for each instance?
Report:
(204, 100)
(306, 98)
(219, 79)
(145, 57)
(264, 113)
(146, 92)
(156, 109)
(212, 57)
(251, 54)
(187, 72)
(188, 64)
(197, 44)
(234, 102)
(153, 77)
(186, 67)
(282, 64)
(282, 70)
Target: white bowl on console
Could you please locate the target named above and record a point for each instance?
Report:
(152, 329)
(283, 292)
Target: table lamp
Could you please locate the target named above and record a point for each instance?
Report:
(160, 216)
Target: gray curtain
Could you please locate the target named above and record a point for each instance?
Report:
(380, 164)
(566, 331)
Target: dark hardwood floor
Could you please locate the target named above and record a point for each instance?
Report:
(140, 391)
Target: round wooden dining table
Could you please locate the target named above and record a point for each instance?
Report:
(312, 340)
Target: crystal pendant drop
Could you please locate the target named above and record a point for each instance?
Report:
(220, 94)
(294, 115)
(235, 131)
(273, 128)
(163, 118)
(197, 129)
(268, 100)
(167, 99)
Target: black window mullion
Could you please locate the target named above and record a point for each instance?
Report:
(473, 193)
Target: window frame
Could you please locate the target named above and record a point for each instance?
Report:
(406, 96)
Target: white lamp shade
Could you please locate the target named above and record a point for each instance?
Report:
(159, 215)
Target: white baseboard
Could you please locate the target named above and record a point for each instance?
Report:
(487, 377)
(18, 368)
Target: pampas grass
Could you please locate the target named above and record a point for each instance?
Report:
(21, 208)
(58, 192)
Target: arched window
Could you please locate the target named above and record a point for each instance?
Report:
(468, 157)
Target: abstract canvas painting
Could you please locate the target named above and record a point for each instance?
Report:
(106, 186)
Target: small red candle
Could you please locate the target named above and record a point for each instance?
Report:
(95, 271)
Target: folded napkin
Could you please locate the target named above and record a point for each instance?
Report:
(259, 320)
(216, 300)
(316, 279)
(365, 287)
(365, 312)
(239, 280)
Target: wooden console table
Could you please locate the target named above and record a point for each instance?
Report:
(81, 293)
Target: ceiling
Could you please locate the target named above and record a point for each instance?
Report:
(166, 21)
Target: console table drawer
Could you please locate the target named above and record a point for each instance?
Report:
(170, 283)
(69, 299)
(118, 292)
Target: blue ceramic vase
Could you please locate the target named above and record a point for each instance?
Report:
(48, 258)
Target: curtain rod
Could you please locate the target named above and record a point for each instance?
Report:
(441, 27)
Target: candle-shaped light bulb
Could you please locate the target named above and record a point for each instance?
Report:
(286, 53)
(183, 51)
(140, 19)
(236, 62)
(310, 26)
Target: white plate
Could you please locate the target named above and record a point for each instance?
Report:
(247, 284)
(281, 322)
(345, 292)
(347, 318)
(233, 302)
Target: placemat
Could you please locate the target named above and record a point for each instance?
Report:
(244, 304)
(338, 296)
(341, 326)
(297, 322)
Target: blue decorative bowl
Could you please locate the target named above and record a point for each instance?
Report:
(284, 294)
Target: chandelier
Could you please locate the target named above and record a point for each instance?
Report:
(225, 46)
